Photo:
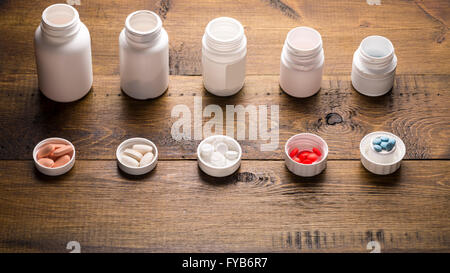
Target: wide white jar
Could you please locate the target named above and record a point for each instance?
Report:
(63, 54)
(302, 61)
(224, 51)
(374, 65)
(144, 56)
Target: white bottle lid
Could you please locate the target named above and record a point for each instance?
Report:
(227, 166)
(381, 163)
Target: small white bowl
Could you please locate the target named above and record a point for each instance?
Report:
(136, 170)
(306, 141)
(54, 171)
(219, 171)
(381, 163)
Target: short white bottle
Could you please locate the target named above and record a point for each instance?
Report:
(63, 54)
(374, 65)
(302, 61)
(224, 51)
(144, 56)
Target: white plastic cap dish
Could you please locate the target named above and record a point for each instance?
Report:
(136, 169)
(306, 141)
(54, 171)
(219, 155)
(384, 162)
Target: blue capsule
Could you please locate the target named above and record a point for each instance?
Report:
(384, 139)
(384, 145)
(377, 148)
(389, 147)
(376, 141)
(392, 141)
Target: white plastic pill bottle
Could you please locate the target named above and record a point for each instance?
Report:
(374, 65)
(224, 51)
(63, 54)
(144, 56)
(302, 61)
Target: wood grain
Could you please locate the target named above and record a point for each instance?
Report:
(416, 110)
(262, 207)
(418, 30)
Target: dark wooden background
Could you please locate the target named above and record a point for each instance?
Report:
(262, 207)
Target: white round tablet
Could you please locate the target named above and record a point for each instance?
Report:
(218, 160)
(231, 155)
(221, 147)
(206, 150)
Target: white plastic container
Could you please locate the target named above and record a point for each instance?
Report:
(224, 51)
(306, 141)
(144, 56)
(302, 61)
(63, 54)
(226, 170)
(136, 170)
(374, 65)
(58, 170)
(385, 162)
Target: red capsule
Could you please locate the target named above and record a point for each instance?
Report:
(317, 151)
(303, 155)
(293, 153)
(296, 159)
(312, 156)
(307, 161)
(305, 152)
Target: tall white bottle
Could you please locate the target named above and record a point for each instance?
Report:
(224, 52)
(144, 56)
(374, 65)
(302, 61)
(63, 54)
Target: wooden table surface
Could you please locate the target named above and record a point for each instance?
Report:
(262, 207)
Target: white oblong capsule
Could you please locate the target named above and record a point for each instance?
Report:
(133, 153)
(142, 148)
(146, 159)
(129, 161)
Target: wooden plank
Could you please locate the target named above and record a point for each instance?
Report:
(417, 29)
(416, 110)
(263, 207)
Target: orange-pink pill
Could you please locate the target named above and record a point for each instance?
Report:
(45, 151)
(62, 151)
(63, 160)
(46, 162)
(58, 145)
